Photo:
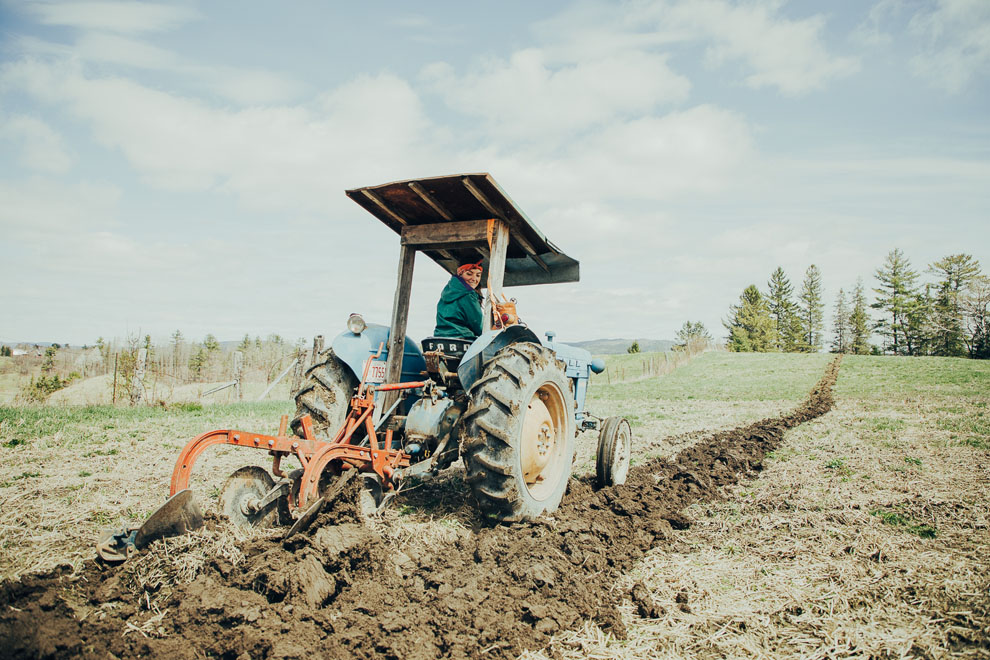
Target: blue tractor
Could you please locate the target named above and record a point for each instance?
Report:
(509, 403)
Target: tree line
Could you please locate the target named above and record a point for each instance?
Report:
(947, 315)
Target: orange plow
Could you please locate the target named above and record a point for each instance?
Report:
(342, 453)
(251, 496)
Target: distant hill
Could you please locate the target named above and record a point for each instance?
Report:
(616, 346)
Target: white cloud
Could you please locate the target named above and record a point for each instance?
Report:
(276, 157)
(697, 150)
(654, 157)
(957, 36)
(530, 96)
(41, 148)
(872, 32)
(244, 87)
(774, 51)
(412, 21)
(782, 53)
(248, 87)
(125, 51)
(39, 208)
(112, 16)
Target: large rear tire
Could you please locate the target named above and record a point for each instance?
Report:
(517, 435)
(325, 396)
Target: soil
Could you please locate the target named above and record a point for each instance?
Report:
(338, 590)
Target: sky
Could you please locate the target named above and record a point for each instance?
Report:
(182, 166)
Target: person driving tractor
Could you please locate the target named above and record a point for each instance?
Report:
(459, 308)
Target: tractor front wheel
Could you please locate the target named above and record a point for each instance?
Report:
(517, 435)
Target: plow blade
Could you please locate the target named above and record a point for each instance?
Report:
(179, 514)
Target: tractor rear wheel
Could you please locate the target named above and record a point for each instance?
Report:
(325, 396)
(517, 435)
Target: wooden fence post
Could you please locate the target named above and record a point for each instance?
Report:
(238, 367)
(113, 400)
(137, 387)
(317, 349)
(300, 370)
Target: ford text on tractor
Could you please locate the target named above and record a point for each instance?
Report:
(381, 407)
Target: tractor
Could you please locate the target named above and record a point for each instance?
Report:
(379, 405)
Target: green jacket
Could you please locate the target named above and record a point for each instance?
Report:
(458, 311)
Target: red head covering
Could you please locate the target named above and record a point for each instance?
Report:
(466, 267)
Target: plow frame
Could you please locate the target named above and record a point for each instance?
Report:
(314, 454)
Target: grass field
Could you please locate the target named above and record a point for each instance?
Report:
(865, 535)
(714, 390)
(69, 472)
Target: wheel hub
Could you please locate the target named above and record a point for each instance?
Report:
(249, 505)
(242, 493)
(538, 439)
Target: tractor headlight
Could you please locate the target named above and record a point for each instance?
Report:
(598, 365)
(356, 324)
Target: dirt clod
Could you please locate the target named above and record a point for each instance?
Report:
(643, 601)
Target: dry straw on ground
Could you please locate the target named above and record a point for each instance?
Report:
(828, 553)
(825, 554)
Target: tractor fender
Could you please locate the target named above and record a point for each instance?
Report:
(354, 350)
(485, 347)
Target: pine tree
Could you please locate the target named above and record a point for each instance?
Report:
(211, 344)
(897, 296)
(48, 362)
(811, 310)
(955, 272)
(976, 307)
(197, 361)
(840, 325)
(692, 336)
(176, 352)
(859, 322)
(921, 325)
(633, 348)
(787, 328)
(750, 325)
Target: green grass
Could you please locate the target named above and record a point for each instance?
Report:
(88, 424)
(880, 377)
(880, 424)
(897, 519)
(720, 376)
(22, 475)
(968, 424)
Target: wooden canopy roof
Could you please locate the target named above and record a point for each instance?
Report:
(446, 218)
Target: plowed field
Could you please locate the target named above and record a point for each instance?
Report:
(338, 591)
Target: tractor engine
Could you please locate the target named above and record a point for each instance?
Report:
(428, 427)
